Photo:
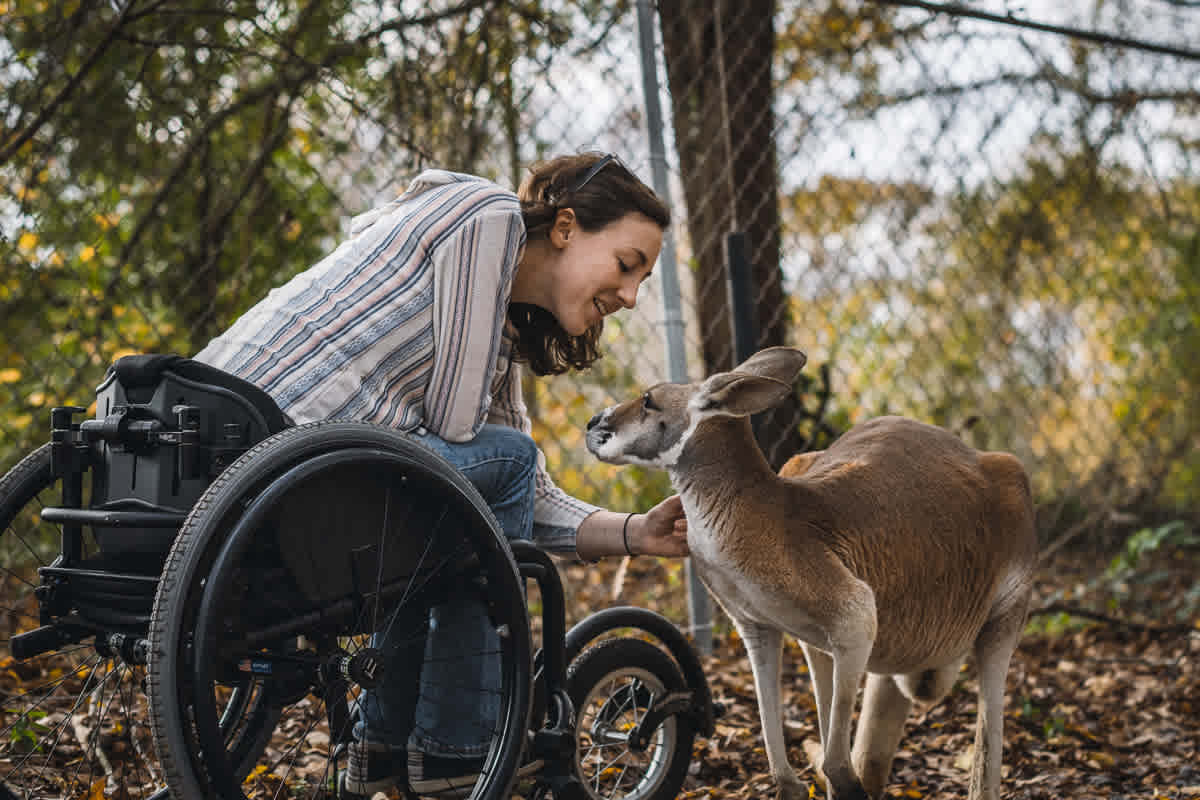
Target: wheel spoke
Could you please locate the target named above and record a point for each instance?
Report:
(51, 684)
(63, 687)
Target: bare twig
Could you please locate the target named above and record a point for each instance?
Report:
(618, 582)
(959, 10)
(1083, 613)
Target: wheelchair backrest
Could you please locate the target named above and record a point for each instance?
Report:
(165, 428)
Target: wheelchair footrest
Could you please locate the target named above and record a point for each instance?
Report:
(41, 640)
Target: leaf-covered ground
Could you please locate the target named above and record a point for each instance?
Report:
(1094, 709)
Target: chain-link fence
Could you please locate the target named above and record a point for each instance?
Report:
(981, 225)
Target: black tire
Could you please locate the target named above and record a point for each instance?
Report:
(212, 594)
(611, 684)
(70, 718)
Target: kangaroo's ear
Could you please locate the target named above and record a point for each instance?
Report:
(738, 394)
(781, 363)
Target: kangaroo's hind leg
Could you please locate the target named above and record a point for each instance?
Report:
(993, 651)
(880, 726)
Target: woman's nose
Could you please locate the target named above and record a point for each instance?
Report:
(628, 295)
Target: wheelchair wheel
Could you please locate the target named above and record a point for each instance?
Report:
(72, 718)
(612, 685)
(282, 582)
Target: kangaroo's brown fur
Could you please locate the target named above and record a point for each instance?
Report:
(893, 553)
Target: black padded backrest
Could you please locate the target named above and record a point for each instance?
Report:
(231, 416)
(145, 371)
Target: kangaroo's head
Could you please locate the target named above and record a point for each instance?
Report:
(653, 429)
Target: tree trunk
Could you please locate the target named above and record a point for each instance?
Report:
(718, 56)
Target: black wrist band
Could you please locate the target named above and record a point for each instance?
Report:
(625, 534)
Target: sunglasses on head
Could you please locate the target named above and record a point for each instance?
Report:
(591, 173)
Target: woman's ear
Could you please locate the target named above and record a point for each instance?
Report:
(563, 228)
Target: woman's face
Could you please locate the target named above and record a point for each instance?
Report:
(600, 272)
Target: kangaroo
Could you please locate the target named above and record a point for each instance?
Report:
(894, 553)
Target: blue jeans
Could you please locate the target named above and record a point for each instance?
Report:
(458, 703)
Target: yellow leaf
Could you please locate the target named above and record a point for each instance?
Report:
(96, 792)
(10, 375)
(912, 793)
(255, 773)
(87, 254)
(27, 241)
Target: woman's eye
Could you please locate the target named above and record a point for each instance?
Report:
(624, 267)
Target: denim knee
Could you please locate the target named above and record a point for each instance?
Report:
(501, 462)
(511, 442)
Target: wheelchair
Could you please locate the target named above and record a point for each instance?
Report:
(196, 591)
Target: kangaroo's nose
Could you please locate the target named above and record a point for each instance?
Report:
(593, 421)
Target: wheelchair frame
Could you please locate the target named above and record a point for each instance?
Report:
(81, 598)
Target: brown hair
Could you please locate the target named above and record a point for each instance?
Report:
(600, 190)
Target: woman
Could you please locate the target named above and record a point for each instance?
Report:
(416, 321)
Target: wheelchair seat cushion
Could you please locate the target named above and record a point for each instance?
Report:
(147, 369)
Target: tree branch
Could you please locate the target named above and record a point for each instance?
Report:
(958, 10)
(14, 144)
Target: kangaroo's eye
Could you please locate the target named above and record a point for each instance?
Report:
(648, 403)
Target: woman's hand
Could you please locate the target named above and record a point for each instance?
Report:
(661, 531)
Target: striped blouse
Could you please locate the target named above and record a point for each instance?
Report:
(404, 325)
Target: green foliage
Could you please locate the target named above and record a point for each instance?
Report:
(163, 167)
(1052, 724)
(1054, 625)
(27, 730)
(1147, 541)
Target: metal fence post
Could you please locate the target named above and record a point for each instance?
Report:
(699, 605)
(743, 320)
(741, 303)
